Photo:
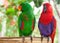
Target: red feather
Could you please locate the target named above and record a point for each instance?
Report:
(22, 25)
(33, 25)
(54, 31)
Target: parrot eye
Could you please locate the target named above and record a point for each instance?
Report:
(44, 8)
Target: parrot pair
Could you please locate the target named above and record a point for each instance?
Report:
(26, 20)
(47, 22)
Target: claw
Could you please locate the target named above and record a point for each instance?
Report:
(47, 39)
(41, 39)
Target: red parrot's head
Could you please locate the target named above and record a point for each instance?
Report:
(47, 13)
(47, 8)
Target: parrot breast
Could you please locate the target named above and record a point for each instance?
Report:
(45, 18)
(46, 30)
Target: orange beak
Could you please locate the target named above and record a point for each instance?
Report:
(19, 8)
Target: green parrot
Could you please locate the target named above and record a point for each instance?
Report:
(26, 20)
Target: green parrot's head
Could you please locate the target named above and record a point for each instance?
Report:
(24, 7)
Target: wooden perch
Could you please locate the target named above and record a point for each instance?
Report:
(23, 40)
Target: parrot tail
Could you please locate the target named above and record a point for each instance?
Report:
(54, 31)
(52, 40)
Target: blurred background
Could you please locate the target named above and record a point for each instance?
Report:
(9, 19)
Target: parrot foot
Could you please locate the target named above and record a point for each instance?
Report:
(47, 39)
(31, 38)
(41, 39)
(23, 39)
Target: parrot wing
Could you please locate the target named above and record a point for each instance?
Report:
(54, 30)
(20, 25)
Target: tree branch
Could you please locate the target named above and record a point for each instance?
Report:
(56, 9)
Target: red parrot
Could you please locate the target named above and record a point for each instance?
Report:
(47, 22)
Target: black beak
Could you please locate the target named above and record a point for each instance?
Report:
(44, 8)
